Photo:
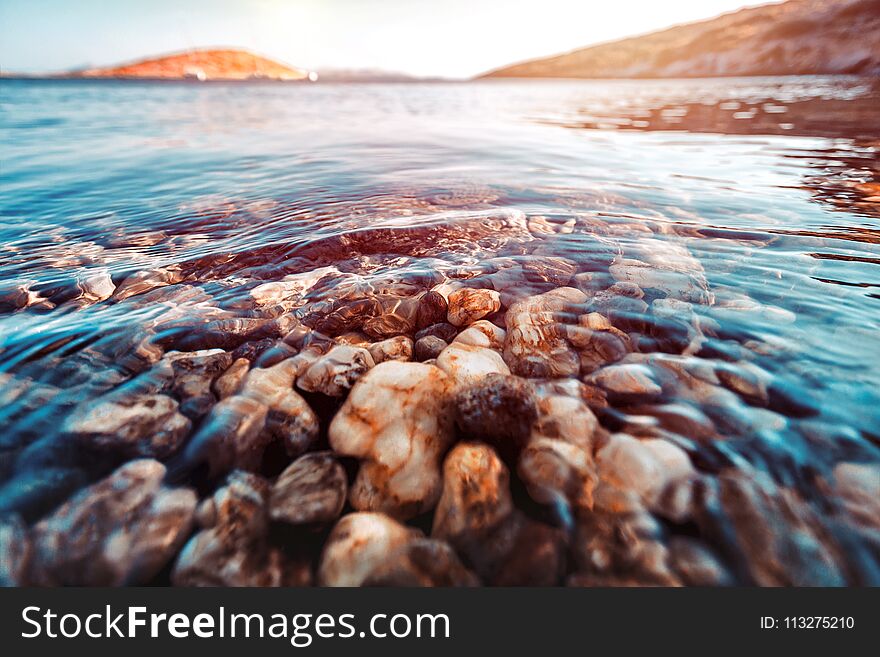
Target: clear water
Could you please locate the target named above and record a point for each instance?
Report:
(770, 184)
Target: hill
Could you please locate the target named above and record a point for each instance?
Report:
(213, 64)
(798, 37)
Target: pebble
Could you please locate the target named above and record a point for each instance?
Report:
(467, 364)
(535, 345)
(146, 280)
(311, 490)
(858, 486)
(359, 545)
(230, 382)
(775, 538)
(563, 414)
(558, 473)
(121, 530)
(15, 548)
(238, 429)
(192, 376)
(442, 330)
(499, 409)
(632, 472)
(334, 373)
(476, 494)
(398, 422)
(467, 305)
(431, 310)
(422, 562)
(232, 548)
(627, 381)
(397, 316)
(696, 564)
(396, 348)
(136, 425)
(483, 333)
(429, 347)
(613, 548)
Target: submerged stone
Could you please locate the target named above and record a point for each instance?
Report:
(398, 422)
(467, 305)
(136, 425)
(122, 530)
(232, 548)
(334, 373)
(359, 545)
(312, 489)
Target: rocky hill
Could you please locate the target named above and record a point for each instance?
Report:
(215, 64)
(798, 37)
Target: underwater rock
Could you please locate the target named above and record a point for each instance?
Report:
(289, 290)
(483, 333)
(146, 280)
(394, 316)
(312, 489)
(536, 345)
(192, 376)
(33, 492)
(14, 297)
(477, 517)
(231, 436)
(467, 305)
(422, 562)
(629, 382)
(232, 333)
(398, 421)
(499, 409)
(442, 330)
(697, 565)
(15, 548)
(359, 545)
(354, 339)
(558, 473)
(467, 364)
(611, 548)
(429, 347)
(746, 380)
(94, 287)
(651, 275)
(597, 341)
(432, 309)
(274, 354)
(397, 348)
(232, 548)
(121, 530)
(858, 486)
(334, 373)
(774, 537)
(136, 425)
(634, 472)
(476, 494)
(551, 269)
(230, 382)
(238, 429)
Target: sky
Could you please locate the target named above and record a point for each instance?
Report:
(446, 38)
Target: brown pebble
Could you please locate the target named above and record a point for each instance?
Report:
(429, 347)
(311, 490)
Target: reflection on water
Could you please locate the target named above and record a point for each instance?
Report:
(717, 239)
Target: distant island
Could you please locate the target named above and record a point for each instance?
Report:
(798, 37)
(208, 64)
(369, 75)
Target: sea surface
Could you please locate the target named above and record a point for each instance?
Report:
(763, 193)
